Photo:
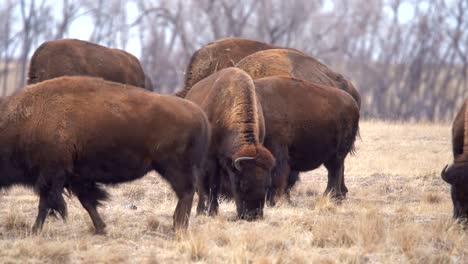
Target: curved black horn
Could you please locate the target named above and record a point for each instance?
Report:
(239, 159)
(445, 175)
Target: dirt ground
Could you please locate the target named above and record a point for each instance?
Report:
(398, 210)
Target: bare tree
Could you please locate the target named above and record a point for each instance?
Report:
(409, 58)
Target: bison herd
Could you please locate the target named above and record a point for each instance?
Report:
(250, 118)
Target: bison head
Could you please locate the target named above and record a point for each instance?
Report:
(250, 180)
(457, 176)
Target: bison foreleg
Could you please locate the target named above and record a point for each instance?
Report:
(182, 182)
(292, 179)
(182, 211)
(279, 182)
(201, 207)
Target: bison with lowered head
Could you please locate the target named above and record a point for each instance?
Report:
(218, 55)
(290, 63)
(71, 57)
(80, 132)
(307, 125)
(457, 173)
(237, 165)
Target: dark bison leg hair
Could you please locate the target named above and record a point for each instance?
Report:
(335, 168)
(209, 189)
(350, 141)
(90, 196)
(182, 182)
(41, 215)
(344, 189)
(215, 176)
(292, 179)
(201, 187)
(279, 175)
(201, 206)
(50, 187)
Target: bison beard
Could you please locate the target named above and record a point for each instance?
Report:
(80, 132)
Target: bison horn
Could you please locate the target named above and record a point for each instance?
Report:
(238, 160)
(446, 176)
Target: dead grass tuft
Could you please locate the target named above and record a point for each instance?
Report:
(432, 198)
(195, 245)
(153, 223)
(15, 223)
(135, 193)
(370, 229)
(324, 204)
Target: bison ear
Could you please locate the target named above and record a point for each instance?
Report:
(448, 175)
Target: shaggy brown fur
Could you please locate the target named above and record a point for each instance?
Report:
(290, 63)
(218, 55)
(457, 173)
(228, 98)
(76, 57)
(80, 132)
(307, 125)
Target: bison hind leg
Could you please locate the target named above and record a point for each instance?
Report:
(90, 196)
(50, 187)
(335, 184)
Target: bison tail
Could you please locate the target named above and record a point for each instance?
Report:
(355, 134)
(89, 191)
(100, 195)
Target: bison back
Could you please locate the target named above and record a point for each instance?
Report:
(315, 122)
(72, 57)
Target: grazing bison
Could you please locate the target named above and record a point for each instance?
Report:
(80, 132)
(457, 173)
(307, 125)
(237, 165)
(290, 63)
(77, 57)
(218, 55)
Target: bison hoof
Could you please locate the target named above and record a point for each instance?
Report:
(100, 232)
(336, 197)
(35, 231)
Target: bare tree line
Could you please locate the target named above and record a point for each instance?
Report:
(415, 69)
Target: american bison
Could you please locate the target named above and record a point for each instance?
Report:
(290, 63)
(237, 165)
(218, 55)
(71, 57)
(77, 133)
(457, 173)
(307, 125)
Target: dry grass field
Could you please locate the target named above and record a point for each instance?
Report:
(398, 210)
